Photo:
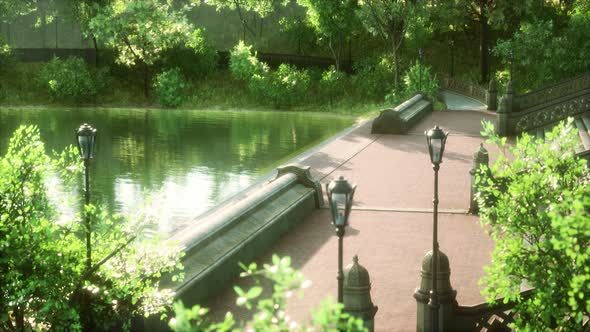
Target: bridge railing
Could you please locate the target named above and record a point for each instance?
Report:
(542, 107)
(487, 317)
(487, 96)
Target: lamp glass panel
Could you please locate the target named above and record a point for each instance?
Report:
(436, 146)
(339, 202)
(84, 143)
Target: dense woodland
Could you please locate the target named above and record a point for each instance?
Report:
(158, 52)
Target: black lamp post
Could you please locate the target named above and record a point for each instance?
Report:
(436, 139)
(340, 194)
(420, 69)
(86, 138)
(452, 47)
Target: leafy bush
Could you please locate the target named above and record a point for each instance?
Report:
(170, 87)
(283, 87)
(243, 65)
(374, 77)
(68, 80)
(535, 207)
(332, 83)
(270, 312)
(45, 283)
(197, 59)
(420, 79)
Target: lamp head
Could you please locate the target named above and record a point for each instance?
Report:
(86, 138)
(436, 139)
(340, 194)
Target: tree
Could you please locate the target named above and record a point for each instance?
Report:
(334, 21)
(270, 312)
(548, 49)
(141, 30)
(44, 281)
(392, 21)
(260, 8)
(11, 9)
(535, 207)
(85, 11)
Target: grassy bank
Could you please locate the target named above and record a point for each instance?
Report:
(20, 87)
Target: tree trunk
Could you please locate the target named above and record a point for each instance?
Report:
(146, 76)
(395, 64)
(334, 54)
(95, 51)
(484, 41)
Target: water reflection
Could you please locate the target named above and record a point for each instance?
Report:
(186, 161)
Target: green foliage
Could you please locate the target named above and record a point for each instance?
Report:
(44, 281)
(419, 78)
(283, 87)
(259, 9)
(299, 31)
(334, 22)
(11, 9)
(374, 77)
(68, 80)
(394, 22)
(535, 207)
(544, 50)
(269, 312)
(140, 31)
(170, 87)
(197, 62)
(332, 84)
(243, 64)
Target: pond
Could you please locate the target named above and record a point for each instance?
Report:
(176, 163)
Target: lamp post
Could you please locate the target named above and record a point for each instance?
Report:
(86, 138)
(420, 69)
(436, 139)
(452, 47)
(340, 194)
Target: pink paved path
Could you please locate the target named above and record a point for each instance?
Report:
(391, 228)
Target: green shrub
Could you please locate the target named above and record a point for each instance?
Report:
(170, 87)
(374, 77)
(243, 64)
(535, 206)
(68, 80)
(268, 311)
(195, 60)
(283, 87)
(332, 83)
(420, 79)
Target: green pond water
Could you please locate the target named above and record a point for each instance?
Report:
(185, 161)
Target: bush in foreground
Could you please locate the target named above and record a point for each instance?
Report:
(45, 283)
(537, 209)
(269, 312)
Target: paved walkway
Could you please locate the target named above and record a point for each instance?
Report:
(391, 223)
(459, 102)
